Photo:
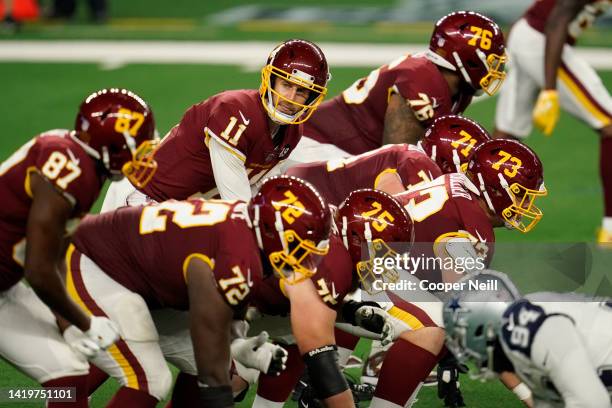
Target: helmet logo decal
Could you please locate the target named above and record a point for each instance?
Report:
(484, 35)
(505, 157)
(292, 207)
(123, 121)
(381, 220)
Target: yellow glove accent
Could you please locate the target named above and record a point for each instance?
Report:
(546, 111)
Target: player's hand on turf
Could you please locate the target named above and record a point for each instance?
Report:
(377, 320)
(448, 381)
(546, 111)
(103, 331)
(255, 352)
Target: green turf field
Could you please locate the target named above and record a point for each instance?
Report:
(37, 97)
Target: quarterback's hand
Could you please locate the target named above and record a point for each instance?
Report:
(80, 342)
(377, 320)
(103, 331)
(255, 352)
(546, 111)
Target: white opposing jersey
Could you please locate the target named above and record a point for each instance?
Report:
(561, 346)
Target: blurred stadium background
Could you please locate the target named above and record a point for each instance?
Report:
(176, 53)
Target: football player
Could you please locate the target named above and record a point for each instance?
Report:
(47, 186)
(396, 102)
(448, 145)
(227, 143)
(185, 255)
(454, 216)
(339, 273)
(547, 73)
(558, 344)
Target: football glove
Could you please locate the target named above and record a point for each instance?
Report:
(377, 320)
(448, 381)
(80, 342)
(255, 352)
(103, 331)
(546, 111)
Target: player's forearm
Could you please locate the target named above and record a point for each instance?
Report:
(213, 369)
(556, 32)
(401, 126)
(50, 289)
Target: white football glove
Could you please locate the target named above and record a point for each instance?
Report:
(377, 320)
(103, 331)
(255, 352)
(80, 342)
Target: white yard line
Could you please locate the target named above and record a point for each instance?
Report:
(113, 54)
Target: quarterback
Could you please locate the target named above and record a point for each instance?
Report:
(226, 144)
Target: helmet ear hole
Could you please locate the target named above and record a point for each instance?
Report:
(479, 331)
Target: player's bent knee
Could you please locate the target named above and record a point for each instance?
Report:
(428, 338)
(134, 319)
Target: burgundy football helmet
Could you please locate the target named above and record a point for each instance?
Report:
(510, 177)
(471, 45)
(292, 224)
(300, 62)
(450, 142)
(117, 127)
(374, 220)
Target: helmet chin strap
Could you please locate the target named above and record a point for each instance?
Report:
(483, 189)
(106, 157)
(344, 230)
(457, 160)
(278, 225)
(130, 141)
(367, 234)
(434, 152)
(257, 228)
(505, 186)
(462, 69)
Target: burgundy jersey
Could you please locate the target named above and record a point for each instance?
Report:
(62, 162)
(445, 207)
(354, 121)
(238, 121)
(333, 280)
(335, 179)
(145, 249)
(538, 13)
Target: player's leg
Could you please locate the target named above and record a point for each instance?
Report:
(413, 356)
(136, 360)
(31, 341)
(583, 94)
(518, 94)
